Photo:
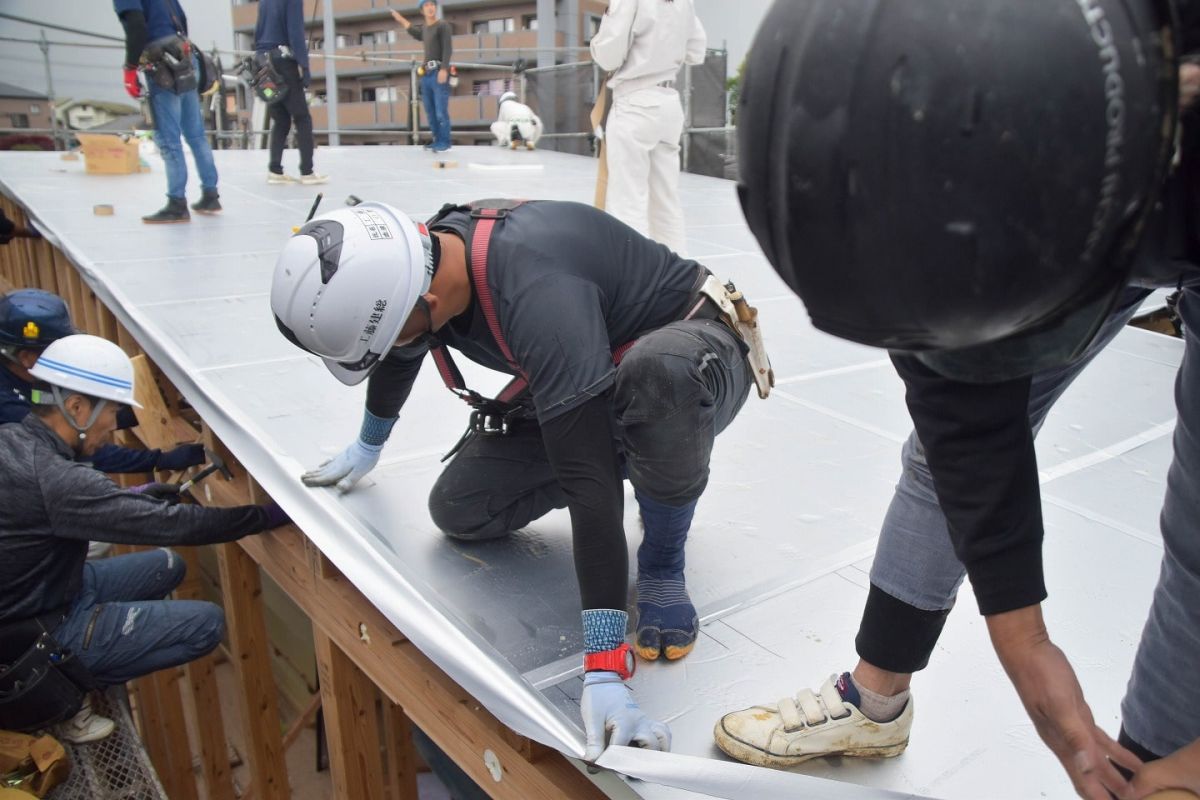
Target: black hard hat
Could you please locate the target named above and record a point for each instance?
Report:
(946, 174)
(32, 318)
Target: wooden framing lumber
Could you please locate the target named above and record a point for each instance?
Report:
(351, 724)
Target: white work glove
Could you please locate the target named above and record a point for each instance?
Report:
(347, 468)
(608, 706)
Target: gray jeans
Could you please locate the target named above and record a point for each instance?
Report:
(675, 390)
(915, 561)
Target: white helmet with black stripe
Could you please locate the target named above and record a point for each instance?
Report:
(346, 283)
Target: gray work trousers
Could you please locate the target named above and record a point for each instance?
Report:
(915, 561)
(675, 390)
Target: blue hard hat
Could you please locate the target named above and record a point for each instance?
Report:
(32, 318)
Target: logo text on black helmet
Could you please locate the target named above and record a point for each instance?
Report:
(1114, 118)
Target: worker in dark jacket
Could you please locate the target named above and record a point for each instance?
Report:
(991, 306)
(279, 35)
(156, 44)
(611, 338)
(109, 614)
(435, 72)
(30, 319)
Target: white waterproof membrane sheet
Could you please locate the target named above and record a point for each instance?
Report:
(781, 548)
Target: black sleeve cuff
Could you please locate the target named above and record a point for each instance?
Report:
(895, 636)
(1009, 579)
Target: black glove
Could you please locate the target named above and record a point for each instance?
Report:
(306, 78)
(126, 418)
(182, 457)
(159, 491)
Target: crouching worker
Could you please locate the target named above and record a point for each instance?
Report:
(67, 626)
(622, 363)
(516, 123)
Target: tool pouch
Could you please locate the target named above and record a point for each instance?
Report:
(169, 64)
(743, 319)
(44, 685)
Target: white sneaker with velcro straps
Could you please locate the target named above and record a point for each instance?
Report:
(810, 725)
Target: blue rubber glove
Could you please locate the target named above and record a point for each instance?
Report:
(346, 469)
(608, 706)
(182, 457)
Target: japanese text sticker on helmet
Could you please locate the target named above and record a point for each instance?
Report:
(346, 283)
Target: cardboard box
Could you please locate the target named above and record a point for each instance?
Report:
(109, 153)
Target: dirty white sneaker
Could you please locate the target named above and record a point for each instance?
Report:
(85, 726)
(313, 178)
(279, 178)
(810, 725)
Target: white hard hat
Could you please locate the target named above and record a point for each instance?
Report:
(508, 96)
(87, 365)
(346, 283)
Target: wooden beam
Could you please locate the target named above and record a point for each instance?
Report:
(402, 759)
(441, 708)
(180, 781)
(154, 418)
(242, 590)
(351, 724)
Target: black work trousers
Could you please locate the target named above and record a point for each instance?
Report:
(292, 109)
(675, 390)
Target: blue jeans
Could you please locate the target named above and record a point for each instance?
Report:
(176, 116)
(119, 626)
(436, 98)
(915, 561)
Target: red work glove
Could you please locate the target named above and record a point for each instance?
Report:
(132, 85)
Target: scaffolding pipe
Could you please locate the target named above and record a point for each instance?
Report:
(331, 87)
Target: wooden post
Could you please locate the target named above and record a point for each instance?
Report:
(242, 590)
(401, 754)
(351, 725)
(204, 701)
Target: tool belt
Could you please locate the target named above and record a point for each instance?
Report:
(42, 684)
(169, 64)
(260, 74)
(742, 319)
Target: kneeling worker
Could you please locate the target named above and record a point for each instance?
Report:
(622, 362)
(108, 616)
(516, 123)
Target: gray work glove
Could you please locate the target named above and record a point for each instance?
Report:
(608, 706)
(346, 469)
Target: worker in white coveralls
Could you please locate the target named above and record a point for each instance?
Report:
(643, 43)
(516, 123)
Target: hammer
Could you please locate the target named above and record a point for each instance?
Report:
(215, 464)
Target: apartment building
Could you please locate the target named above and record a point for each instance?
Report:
(493, 40)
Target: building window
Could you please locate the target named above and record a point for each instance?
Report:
(342, 41)
(591, 26)
(377, 37)
(506, 25)
(317, 45)
(19, 120)
(35, 109)
(529, 22)
(497, 86)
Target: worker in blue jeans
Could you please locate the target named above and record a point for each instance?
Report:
(435, 72)
(156, 44)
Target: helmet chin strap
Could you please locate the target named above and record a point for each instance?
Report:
(60, 402)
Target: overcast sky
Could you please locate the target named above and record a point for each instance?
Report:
(95, 74)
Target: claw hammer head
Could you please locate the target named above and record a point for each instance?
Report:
(215, 464)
